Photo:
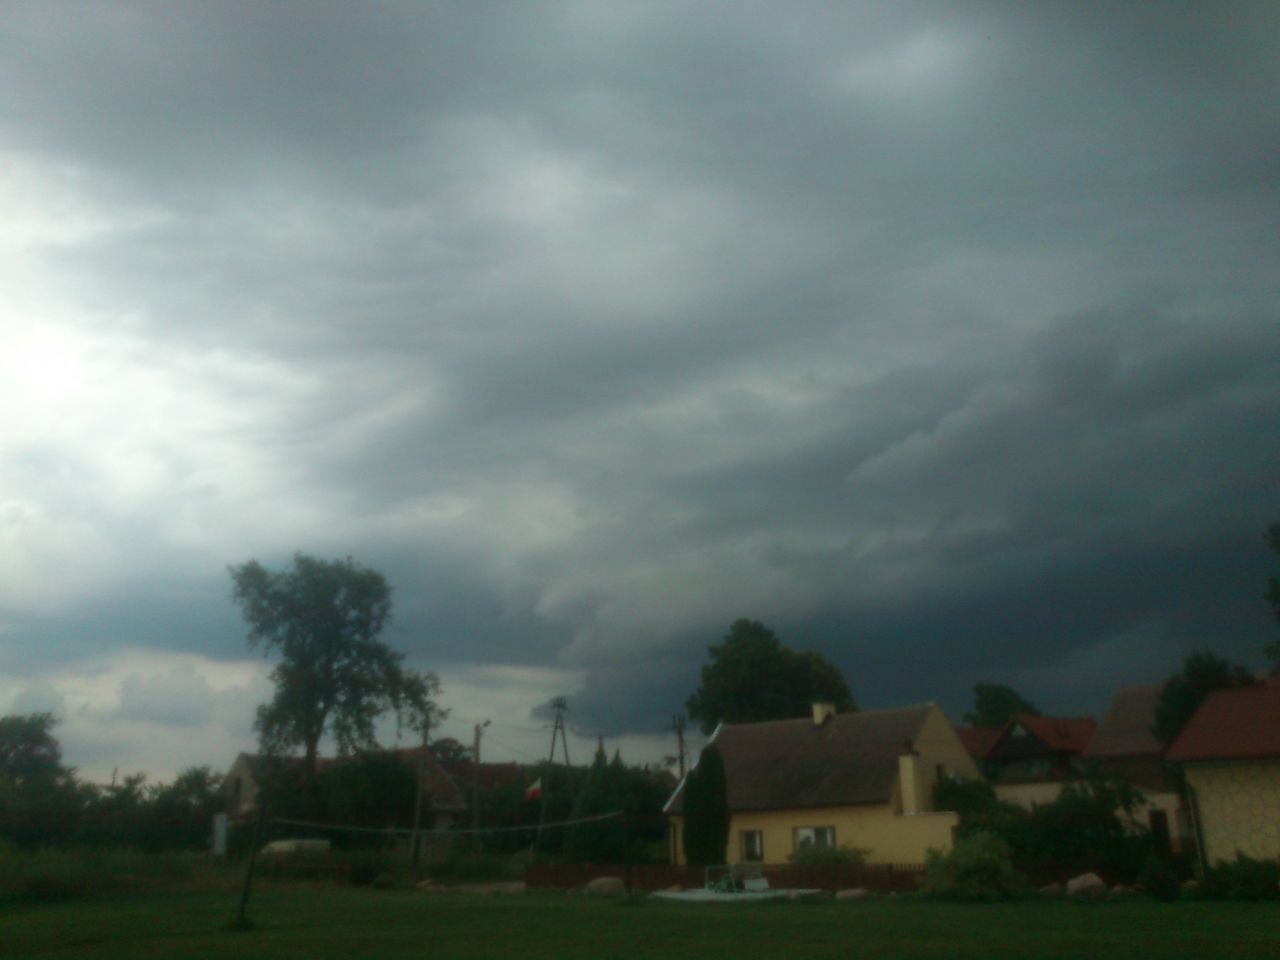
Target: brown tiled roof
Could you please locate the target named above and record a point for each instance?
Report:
(979, 740)
(444, 793)
(436, 783)
(1060, 734)
(1125, 731)
(1238, 724)
(489, 776)
(780, 764)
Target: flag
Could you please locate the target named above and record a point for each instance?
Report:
(534, 790)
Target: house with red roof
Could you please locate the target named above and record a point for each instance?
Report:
(242, 784)
(862, 780)
(1230, 753)
(1029, 758)
(1125, 748)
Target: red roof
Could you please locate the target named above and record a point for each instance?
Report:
(979, 740)
(1242, 723)
(1061, 734)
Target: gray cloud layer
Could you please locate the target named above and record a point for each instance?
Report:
(942, 338)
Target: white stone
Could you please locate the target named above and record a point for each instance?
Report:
(606, 887)
(853, 893)
(1086, 885)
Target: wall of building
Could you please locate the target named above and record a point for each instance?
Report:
(1239, 808)
(886, 835)
(1028, 795)
(242, 801)
(939, 750)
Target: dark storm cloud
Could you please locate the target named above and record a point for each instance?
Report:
(943, 339)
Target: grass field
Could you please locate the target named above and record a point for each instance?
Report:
(332, 922)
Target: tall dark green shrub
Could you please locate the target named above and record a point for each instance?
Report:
(603, 791)
(706, 811)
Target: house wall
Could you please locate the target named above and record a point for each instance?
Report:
(887, 836)
(1028, 795)
(937, 746)
(244, 800)
(1239, 808)
(1180, 834)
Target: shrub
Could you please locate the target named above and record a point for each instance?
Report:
(706, 810)
(977, 868)
(61, 873)
(465, 867)
(842, 856)
(1159, 879)
(1245, 879)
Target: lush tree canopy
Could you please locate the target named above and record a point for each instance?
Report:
(1201, 674)
(323, 618)
(706, 810)
(42, 802)
(752, 676)
(39, 798)
(994, 704)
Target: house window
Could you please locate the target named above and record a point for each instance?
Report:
(815, 837)
(753, 845)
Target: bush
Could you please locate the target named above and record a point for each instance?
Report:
(474, 868)
(843, 856)
(979, 867)
(1245, 879)
(1159, 879)
(62, 873)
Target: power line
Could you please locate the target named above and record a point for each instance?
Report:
(442, 831)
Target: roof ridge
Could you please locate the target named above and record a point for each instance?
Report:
(837, 716)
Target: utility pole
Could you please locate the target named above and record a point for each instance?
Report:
(417, 802)
(559, 705)
(475, 783)
(677, 724)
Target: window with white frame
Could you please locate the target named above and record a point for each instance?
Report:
(814, 837)
(753, 845)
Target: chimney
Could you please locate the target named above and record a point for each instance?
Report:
(910, 781)
(822, 712)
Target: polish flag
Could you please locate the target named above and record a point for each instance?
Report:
(534, 790)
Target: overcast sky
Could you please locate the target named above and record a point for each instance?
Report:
(942, 338)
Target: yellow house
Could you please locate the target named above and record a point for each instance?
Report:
(858, 779)
(1230, 751)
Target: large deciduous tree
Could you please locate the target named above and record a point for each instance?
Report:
(1201, 674)
(994, 704)
(323, 618)
(39, 798)
(706, 810)
(751, 676)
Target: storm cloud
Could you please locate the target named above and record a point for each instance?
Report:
(942, 338)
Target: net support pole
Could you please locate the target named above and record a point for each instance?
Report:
(626, 850)
(241, 921)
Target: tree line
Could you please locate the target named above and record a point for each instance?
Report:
(43, 802)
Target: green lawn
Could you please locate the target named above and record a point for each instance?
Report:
(342, 923)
